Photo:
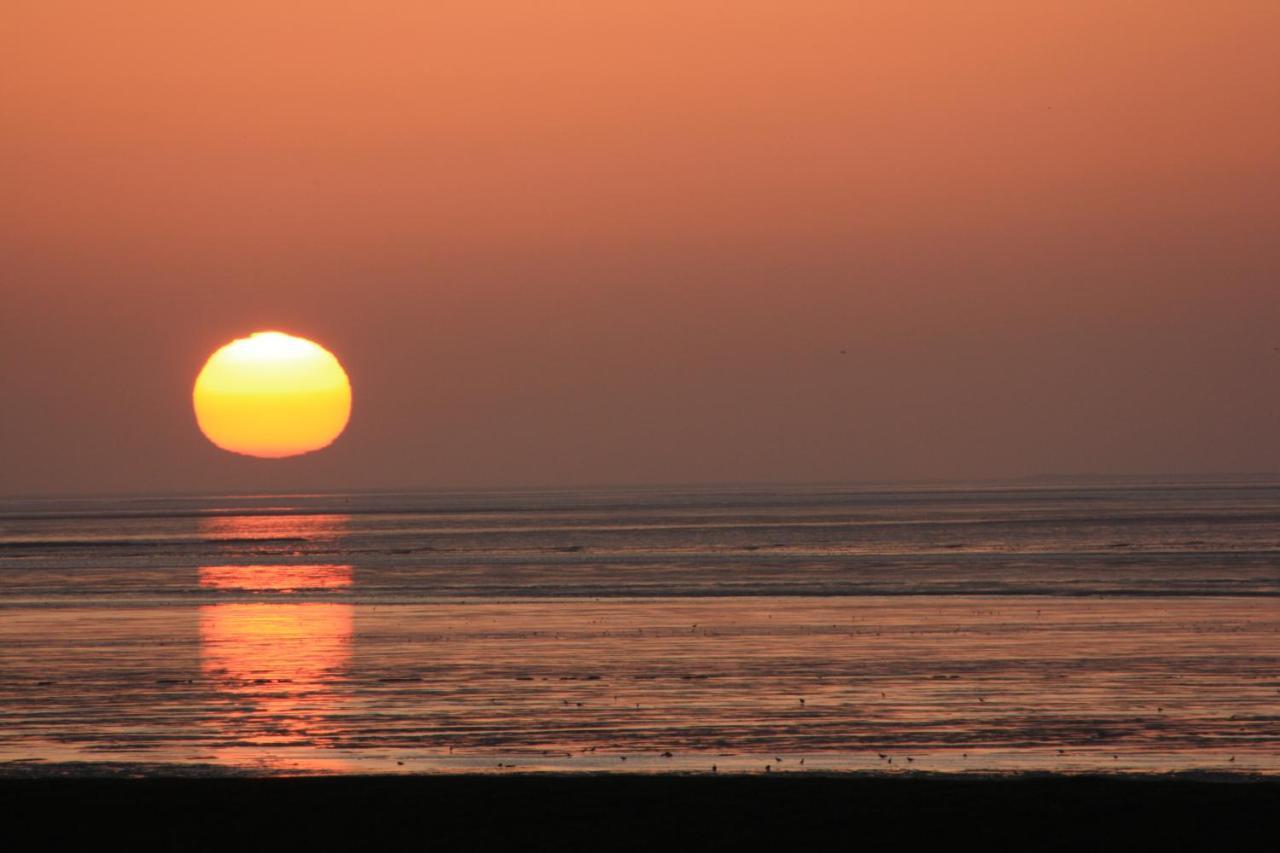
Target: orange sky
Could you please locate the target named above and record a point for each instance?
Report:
(626, 242)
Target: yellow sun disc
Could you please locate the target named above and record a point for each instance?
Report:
(272, 395)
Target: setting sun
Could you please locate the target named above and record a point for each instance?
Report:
(272, 395)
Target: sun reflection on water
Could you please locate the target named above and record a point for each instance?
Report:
(284, 665)
(281, 653)
(239, 529)
(279, 663)
(275, 578)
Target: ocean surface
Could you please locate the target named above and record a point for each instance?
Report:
(1057, 626)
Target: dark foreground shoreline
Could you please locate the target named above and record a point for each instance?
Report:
(602, 812)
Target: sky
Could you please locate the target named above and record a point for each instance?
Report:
(564, 243)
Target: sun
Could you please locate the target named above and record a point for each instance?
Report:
(272, 395)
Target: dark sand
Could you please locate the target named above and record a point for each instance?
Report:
(545, 812)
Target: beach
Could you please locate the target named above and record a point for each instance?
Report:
(946, 684)
(1085, 629)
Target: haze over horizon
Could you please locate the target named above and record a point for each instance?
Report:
(648, 243)
(974, 484)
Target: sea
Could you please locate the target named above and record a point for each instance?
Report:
(1059, 626)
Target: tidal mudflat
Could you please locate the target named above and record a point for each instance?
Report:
(1077, 631)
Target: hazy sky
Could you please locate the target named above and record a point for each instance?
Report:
(560, 243)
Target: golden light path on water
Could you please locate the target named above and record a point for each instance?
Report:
(284, 662)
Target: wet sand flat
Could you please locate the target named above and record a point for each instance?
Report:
(899, 684)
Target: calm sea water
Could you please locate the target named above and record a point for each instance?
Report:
(1122, 627)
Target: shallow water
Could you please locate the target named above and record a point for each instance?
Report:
(1114, 628)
